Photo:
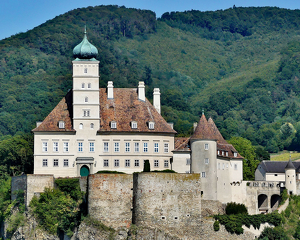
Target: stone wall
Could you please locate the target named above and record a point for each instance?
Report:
(31, 184)
(210, 207)
(110, 199)
(168, 201)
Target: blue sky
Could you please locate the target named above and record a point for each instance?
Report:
(22, 15)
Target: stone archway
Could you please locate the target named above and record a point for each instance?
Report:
(262, 202)
(84, 171)
(275, 200)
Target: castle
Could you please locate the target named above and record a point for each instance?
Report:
(94, 129)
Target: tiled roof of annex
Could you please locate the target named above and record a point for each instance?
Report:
(182, 144)
(207, 130)
(123, 109)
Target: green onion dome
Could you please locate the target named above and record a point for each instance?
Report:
(85, 50)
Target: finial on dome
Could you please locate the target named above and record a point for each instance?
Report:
(202, 111)
(85, 50)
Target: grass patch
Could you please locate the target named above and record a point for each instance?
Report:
(285, 156)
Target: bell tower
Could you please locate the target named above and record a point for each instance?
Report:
(86, 108)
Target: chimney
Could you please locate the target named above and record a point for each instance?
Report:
(141, 91)
(156, 99)
(110, 90)
(171, 125)
(195, 125)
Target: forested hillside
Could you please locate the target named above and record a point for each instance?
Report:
(240, 65)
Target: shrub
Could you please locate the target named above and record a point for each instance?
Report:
(165, 171)
(284, 196)
(216, 225)
(112, 172)
(276, 233)
(297, 232)
(235, 208)
(70, 186)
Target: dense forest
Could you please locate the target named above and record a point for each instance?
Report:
(240, 65)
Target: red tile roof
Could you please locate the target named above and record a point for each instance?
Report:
(203, 130)
(62, 112)
(125, 108)
(182, 144)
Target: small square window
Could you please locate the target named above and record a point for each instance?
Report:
(136, 163)
(45, 162)
(156, 147)
(166, 163)
(117, 162)
(61, 124)
(151, 125)
(66, 162)
(206, 146)
(117, 147)
(86, 113)
(155, 163)
(105, 163)
(113, 124)
(55, 162)
(206, 160)
(203, 174)
(188, 161)
(133, 124)
(127, 162)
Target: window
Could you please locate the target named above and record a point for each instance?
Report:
(105, 163)
(166, 163)
(166, 147)
(45, 162)
(117, 147)
(86, 113)
(55, 146)
(151, 125)
(85, 70)
(117, 163)
(127, 162)
(105, 147)
(45, 146)
(203, 174)
(92, 126)
(82, 85)
(145, 147)
(80, 126)
(226, 154)
(206, 146)
(223, 166)
(235, 166)
(55, 162)
(136, 163)
(188, 161)
(156, 147)
(155, 163)
(86, 99)
(134, 124)
(235, 154)
(218, 152)
(61, 124)
(89, 85)
(206, 160)
(92, 146)
(226, 165)
(219, 166)
(66, 162)
(80, 147)
(127, 147)
(66, 147)
(113, 124)
(223, 153)
(136, 147)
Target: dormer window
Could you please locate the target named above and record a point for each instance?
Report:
(133, 124)
(226, 154)
(235, 154)
(61, 124)
(151, 125)
(113, 124)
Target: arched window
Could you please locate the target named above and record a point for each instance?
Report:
(80, 126)
(92, 125)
